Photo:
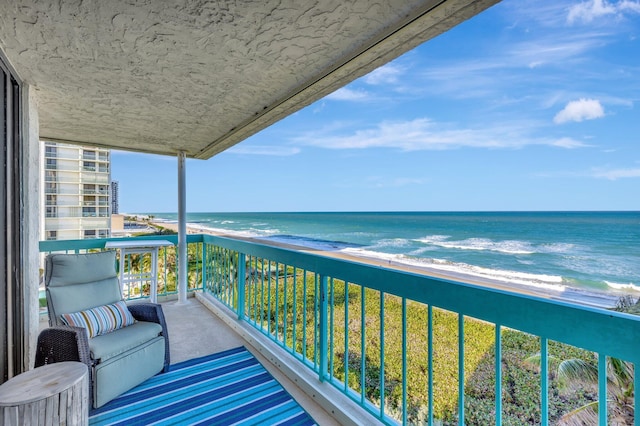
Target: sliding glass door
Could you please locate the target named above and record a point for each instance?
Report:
(12, 332)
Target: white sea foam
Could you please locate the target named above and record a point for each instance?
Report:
(547, 282)
(248, 233)
(625, 287)
(505, 246)
(556, 248)
(391, 242)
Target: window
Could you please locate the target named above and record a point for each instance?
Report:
(50, 151)
(51, 163)
(51, 235)
(50, 188)
(89, 233)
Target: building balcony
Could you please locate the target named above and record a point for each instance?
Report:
(95, 192)
(389, 344)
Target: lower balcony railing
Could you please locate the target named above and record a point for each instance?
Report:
(137, 265)
(414, 349)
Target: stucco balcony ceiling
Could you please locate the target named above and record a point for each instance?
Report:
(198, 75)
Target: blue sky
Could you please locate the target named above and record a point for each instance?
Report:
(532, 105)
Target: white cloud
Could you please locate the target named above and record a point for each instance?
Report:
(425, 134)
(630, 5)
(386, 74)
(582, 109)
(501, 71)
(345, 94)
(589, 11)
(604, 172)
(273, 150)
(615, 174)
(568, 143)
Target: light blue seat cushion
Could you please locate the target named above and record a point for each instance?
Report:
(119, 341)
(122, 372)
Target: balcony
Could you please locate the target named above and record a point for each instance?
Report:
(400, 346)
(66, 110)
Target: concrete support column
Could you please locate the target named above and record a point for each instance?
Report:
(182, 230)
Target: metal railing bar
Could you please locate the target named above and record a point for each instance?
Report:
(544, 381)
(285, 316)
(404, 361)
(331, 326)
(430, 362)
(322, 329)
(382, 375)
(346, 336)
(498, 366)
(602, 389)
(363, 332)
(461, 369)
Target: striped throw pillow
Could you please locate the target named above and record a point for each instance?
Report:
(101, 319)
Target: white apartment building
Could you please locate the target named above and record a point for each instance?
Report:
(76, 194)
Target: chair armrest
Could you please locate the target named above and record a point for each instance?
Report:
(65, 343)
(152, 312)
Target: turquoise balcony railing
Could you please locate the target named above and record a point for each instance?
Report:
(414, 349)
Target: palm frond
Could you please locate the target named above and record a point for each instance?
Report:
(584, 415)
(535, 360)
(620, 372)
(575, 372)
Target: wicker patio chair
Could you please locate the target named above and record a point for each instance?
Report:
(123, 345)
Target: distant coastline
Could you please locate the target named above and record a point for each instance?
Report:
(568, 295)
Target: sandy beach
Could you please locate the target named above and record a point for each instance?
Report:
(568, 295)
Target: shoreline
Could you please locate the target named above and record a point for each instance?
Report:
(567, 295)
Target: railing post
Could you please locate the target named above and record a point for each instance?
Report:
(204, 266)
(544, 384)
(323, 326)
(602, 389)
(242, 279)
(182, 229)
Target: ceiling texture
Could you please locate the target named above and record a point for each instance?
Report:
(164, 76)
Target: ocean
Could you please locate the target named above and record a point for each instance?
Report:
(589, 257)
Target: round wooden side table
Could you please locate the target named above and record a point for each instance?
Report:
(55, 394)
